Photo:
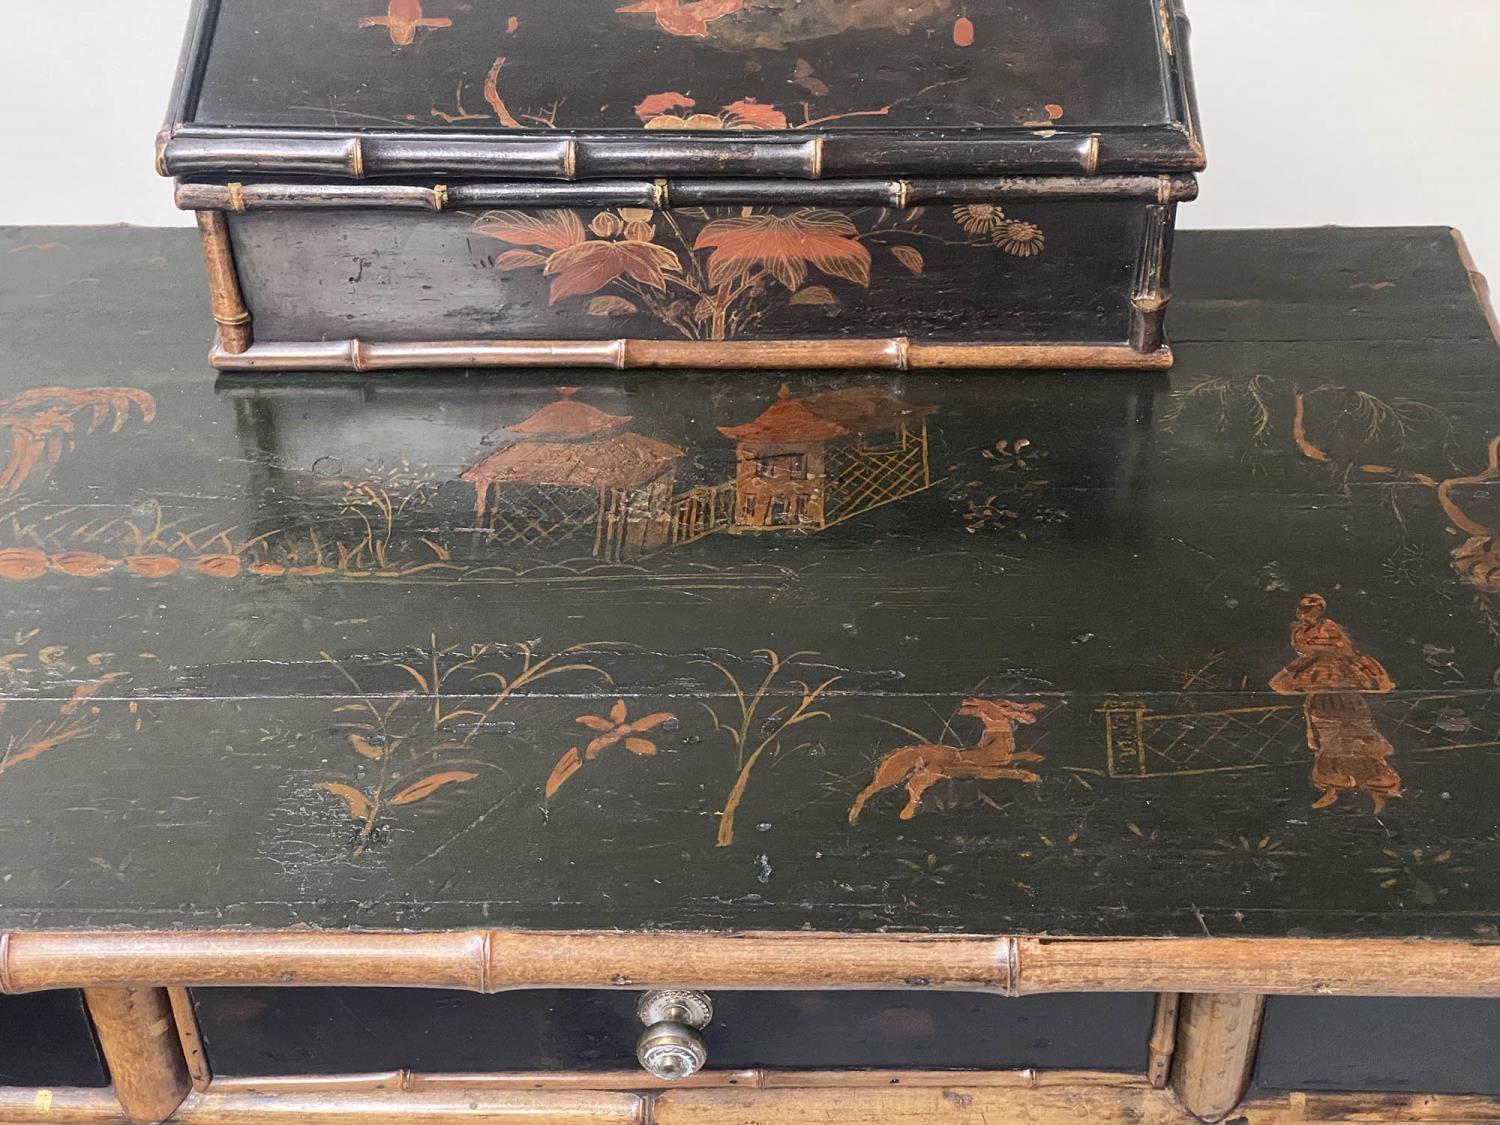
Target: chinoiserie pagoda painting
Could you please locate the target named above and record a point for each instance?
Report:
(815, 461)
(573, 473)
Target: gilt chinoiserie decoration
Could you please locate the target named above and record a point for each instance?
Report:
(718, 183)
(1063, 721)
(917, 636)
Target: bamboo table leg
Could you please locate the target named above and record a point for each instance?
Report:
(141, 1048)
(1216, 1039)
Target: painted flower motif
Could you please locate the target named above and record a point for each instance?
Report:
(750, 114)
(698, 122)
(745, 115)
(613, 728)
(1024, 240)
(657, 104)
(639, 231)
(784, 246)
(606, 224)
(979, 218)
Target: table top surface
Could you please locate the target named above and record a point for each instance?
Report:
(982, 653)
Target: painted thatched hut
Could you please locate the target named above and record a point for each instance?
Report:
(812, 461)
(572, 471)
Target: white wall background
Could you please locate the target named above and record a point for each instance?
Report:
(1357, 112)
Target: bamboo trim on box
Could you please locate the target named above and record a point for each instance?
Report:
(229, 311)
(1151, 291)
(1478, 282)
(897, 353)
(499, 960)
(275, 195)
(204, 150)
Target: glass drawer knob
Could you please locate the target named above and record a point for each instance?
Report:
(670, 1048)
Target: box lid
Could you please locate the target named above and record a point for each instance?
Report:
(578, 89)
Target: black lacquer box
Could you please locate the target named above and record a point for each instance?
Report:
(720, 183)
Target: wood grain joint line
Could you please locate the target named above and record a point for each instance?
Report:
(357, 158)
(902, 351)
(1091, 154)
(1012, 966)
(236, 196)
(439, 197)
(486, 945)
(661, 193)
(570, 159)
(815, 159)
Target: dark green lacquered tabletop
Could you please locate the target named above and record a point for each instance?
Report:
(986, 652)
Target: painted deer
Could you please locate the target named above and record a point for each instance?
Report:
(402, 18)
(992, 758)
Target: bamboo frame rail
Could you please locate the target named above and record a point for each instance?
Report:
(497, 960)
(964, 1103)
(756, 1078)
(895, 353)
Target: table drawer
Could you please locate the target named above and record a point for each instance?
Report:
(250, 1032)
(46, 1039)
(1437, 1046)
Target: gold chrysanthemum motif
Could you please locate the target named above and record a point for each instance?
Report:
(979, 218)
(1024, 240)
(607, 225)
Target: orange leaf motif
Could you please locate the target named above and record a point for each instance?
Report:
(569, 764)
(814, 295)
(911, 258)
(358, 804)
(662, 103)
(618, 712)
(750, 114)
(590, 266)
(363, 745)
(963, 31)
(430, 785)
(611, 306)
(596, 722)
(643, 746)
(520, 259)
(552, 230)
(784, 246)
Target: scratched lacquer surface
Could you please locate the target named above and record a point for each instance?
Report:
(686, 65)
(1113, 655)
